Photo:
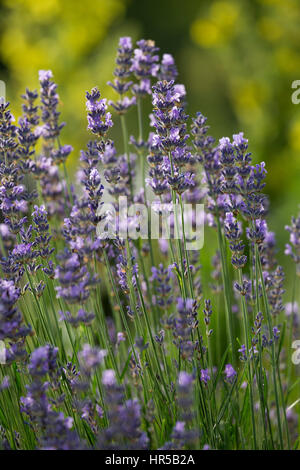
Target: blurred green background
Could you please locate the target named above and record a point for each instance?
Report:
(237, 58)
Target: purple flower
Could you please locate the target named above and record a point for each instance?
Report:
(205, 376)
(207, 314)
(120, 337)
(13, 195)
(161, 279)
(123, 61)
(180, 182)
(183, 433)
(23, 253)
(122, 272)
(292, 311)
(291, 308)
(5, 383)
(109, 377)
(274, 281)
(49, 98)
(169, 154)
(183, 325)
(121, 106)
(99, 120)
(242, 351)
(43, 238)
(293, 249)
(30, 109)
(74, 278)
(11, 320)
(27, 140)
(143, 88)
(122, 72)
(82, 318)
(257, 327)
(230, 373)
(179, 426)
(8, 132)
(276, 333)
(185, 379)
(267, 250)
(43, 361)
(54, 190)
(61, 154)
(168, 69)
(54, 430)
(91, 358)
(259, 232)
(144, 67)
(124, 431)
(125, 44)
(233, 233)
(45, 76)
(144, 63)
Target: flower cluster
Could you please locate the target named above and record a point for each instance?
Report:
(184, 324)
(233, 233)
(55, 429)
(207, 314)
(293, 249)
(12, 327)
(124, 431)
(99, 120)
(170, 168)
(183, 435)
(52, 186)
(74, 279)
(126, 364)
(162, 279)
(122, 83)
(144, 66)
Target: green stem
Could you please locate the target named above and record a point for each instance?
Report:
(179, 246)
(273, 352)
(225, 278)
(125, 141)
(185, 250)
(250, 377)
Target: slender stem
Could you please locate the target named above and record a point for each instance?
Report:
(185, 249)
(125, 141)
(68, 184)
(140, 117)
(225, 277)
(259, 370)
(45, 330)
(291, 325)
(246, 333)
(273, 352)
(152, 342)
(179, 246)
(66, 176)
(143, 174)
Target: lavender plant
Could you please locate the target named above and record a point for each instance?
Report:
(131, 341)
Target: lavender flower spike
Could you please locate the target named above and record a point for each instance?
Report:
(99, 120)
(293, 249)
